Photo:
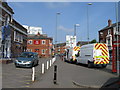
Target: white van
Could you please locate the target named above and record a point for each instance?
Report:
(71, 54)
(94, 54)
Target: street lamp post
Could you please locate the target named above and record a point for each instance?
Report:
(117, 37)
(56, 26)
(58, 13)
(76, 25)
(88, 21)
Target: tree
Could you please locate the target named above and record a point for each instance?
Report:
(93, 41)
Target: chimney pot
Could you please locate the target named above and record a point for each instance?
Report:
(109, 23)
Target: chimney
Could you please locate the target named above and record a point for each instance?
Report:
(38, 34)
(109, 23)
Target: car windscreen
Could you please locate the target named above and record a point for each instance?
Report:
(27, 55)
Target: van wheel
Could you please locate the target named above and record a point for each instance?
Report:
(89, 65)
(104, 65)
(76, 62)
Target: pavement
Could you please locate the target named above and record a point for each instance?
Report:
(96, 78)
(13, 77)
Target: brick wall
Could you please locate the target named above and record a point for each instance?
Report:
(39, 47)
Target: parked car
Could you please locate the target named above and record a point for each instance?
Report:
(27, 59)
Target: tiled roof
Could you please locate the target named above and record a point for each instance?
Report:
(60, 44)
(4, 4)
(38, 37)
(107, 27)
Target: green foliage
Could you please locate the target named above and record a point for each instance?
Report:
(93, 41)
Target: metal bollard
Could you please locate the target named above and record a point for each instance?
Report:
(55, 75)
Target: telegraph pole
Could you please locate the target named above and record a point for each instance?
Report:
(117, 36)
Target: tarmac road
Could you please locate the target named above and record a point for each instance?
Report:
(68, 76)
(74, 76)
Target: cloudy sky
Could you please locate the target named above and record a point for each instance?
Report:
(43, 14)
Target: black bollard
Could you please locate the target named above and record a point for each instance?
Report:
(55, 75)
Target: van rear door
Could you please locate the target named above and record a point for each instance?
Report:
(101, 54)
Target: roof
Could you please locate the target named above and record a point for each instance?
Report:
(18, 25)
(90, 45)
(82, 42)
(39, 37)
(60, 44)
(5, 4)
(107, 27)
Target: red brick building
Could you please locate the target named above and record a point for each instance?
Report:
(60, 48)
(41, 44)
(108, 35)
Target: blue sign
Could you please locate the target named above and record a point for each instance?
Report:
(5, 32)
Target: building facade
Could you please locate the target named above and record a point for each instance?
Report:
(60, 48)
(70, 41)
(11, 30)
(6, 18)
(108, 35)
(33, 30)
(18, 38)
(40, 44)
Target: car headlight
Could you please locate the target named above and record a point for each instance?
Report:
(28, 62)
(16, 60)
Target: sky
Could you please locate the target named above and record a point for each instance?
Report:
(43, 14)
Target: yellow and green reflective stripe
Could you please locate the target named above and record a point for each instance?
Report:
(101, 56)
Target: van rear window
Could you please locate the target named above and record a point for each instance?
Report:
(98, 52)
(87, 55)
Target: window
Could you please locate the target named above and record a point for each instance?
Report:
(109, 31)
(29, 50)
(29, 41)
(101, 33)
(43, 41)
(108, 41)
(98, 52)
(18, 37)
(14, 35)
(43, 51)
(36, 50)
(21, 38)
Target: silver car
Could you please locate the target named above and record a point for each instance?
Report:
(27, 59)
